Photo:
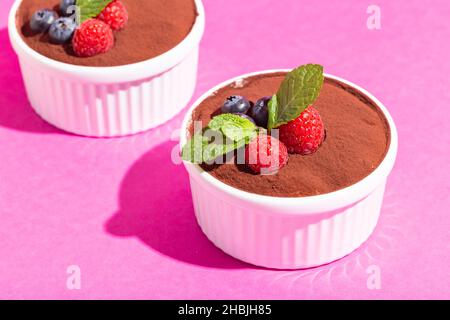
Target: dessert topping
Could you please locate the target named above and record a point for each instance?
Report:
(62, 30)
(88, 23)
(42, 20)
(224, 133)
(265, 154)
(115, 15)
(67, 7)
(90, 8)
(299, 90)
(246, 116)
(92, 37)
(259, 112)
(305, 134)
(301, 129)
(235, 104)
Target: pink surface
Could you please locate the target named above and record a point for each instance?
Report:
(120, 209)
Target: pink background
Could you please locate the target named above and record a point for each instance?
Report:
(121, 210)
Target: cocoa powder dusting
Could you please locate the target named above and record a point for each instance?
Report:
(357, 141)
(154, 27)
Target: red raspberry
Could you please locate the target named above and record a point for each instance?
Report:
(265, 154)
(305, 134)
(115, 15)
(92, 37)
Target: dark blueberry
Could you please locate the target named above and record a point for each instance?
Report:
(259, 112)
(243, 115)
(64, 7)
(42, 20)
(62, 30)
(236, 104)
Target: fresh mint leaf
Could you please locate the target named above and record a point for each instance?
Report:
(232, 126)
(299, 89)
(90, 8)
(234, 130)
(214, 150)
(193, 149)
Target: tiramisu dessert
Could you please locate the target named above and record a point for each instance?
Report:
(103, 33)
(328, 135)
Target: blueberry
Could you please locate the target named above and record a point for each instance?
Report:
(42, 20)
(236, 104)
(243, 115)
(259, 112)
(64, 7)
(62, 30)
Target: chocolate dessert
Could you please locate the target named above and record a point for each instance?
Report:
(357, 139)
(153, 27)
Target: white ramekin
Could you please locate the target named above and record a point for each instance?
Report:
(288, 233)
(110, 101)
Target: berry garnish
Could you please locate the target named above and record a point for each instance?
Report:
(62, 30)
(305, 134)
(301, 129)
(265, 154)
(259, 112)
(64, 7)
(235, 104)
(42, 20)
(115, 15)
(92, 37)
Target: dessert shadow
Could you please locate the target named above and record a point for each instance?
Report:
(16, 112)
(156, 207)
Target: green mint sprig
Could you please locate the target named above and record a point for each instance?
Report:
(90, 8)
(232, 126)
(299, 89)
(235, 132)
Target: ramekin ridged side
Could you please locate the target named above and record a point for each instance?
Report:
(289, 233)
(110, 101)
(280, 240)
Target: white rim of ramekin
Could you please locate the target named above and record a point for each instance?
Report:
(123, 73)
(300, 205)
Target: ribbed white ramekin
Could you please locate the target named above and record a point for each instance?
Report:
(288, 233)
(110, 101)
